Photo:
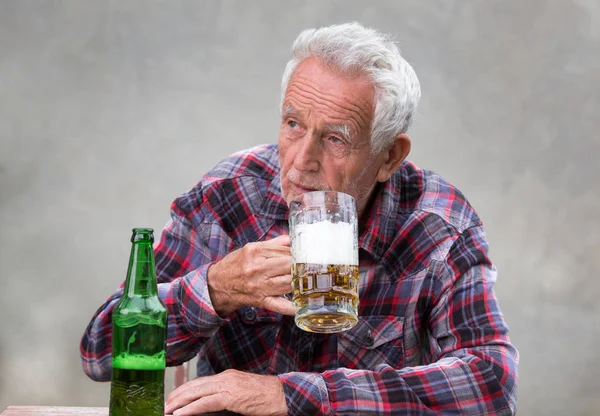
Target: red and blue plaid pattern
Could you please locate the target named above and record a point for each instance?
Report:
(431, 338)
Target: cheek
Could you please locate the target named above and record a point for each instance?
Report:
(334, 176)
(284, 163)
(359, 181)
(281, 142)
(287, 153)
(283, 152)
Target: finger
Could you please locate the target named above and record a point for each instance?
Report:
(178, 391)
(279, 285)
(183, 399)
(274, 251)
(279, 305)
(282, 240)
(184, 387)
(191, 391)
(212, 403)
(276, 266)
(267, 248)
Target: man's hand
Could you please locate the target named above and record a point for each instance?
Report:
(236, 391)
(255, 275)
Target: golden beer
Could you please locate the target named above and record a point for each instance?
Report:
(328, 293)
(324, 248)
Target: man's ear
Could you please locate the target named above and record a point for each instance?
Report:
(393, 157)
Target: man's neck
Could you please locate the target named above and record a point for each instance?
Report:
(365, 212)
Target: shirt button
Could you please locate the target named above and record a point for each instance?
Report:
(250, 314)
(368, 340)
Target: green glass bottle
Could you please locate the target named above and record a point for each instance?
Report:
(139, 325)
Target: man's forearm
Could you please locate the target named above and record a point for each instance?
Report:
(461, 385)
(191, 316)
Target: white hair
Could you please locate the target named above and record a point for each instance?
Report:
(352, 48)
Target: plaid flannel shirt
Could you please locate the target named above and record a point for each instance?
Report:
(431, 338)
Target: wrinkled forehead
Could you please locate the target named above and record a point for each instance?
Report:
(333, 94)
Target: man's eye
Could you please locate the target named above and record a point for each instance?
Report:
(335, 140)
(292, 124)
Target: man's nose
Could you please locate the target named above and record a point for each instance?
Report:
(309, 154)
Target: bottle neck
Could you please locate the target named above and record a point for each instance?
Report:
(141, 276)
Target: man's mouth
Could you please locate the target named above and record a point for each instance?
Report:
(302, 188)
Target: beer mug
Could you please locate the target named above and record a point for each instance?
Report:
(324, 247)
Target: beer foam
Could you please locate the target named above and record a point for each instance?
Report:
(127, 361)
(325, 243)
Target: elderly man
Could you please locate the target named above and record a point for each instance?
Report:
(430, 338)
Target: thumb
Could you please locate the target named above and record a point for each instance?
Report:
(279, 305)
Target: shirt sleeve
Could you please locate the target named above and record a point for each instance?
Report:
(474, 368)
(182, 258)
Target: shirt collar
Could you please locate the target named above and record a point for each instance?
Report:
(378, 231)
(274, 205)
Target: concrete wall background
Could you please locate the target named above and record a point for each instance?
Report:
(110, 109)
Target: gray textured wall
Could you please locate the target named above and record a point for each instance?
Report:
(110, 109)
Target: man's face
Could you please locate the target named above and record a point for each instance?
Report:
(324, 138)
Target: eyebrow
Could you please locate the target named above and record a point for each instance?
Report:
(343, 129)
(288, 109)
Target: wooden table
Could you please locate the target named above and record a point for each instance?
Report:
(54, 411)
(67, 411)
